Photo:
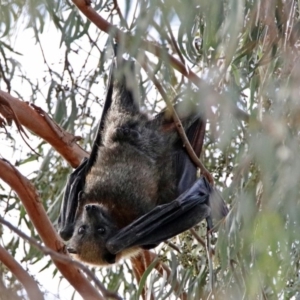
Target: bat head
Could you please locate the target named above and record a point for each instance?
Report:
(93, 229)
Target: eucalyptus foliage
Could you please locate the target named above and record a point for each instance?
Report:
(247, 54)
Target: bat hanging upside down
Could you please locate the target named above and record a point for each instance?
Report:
(139, 187)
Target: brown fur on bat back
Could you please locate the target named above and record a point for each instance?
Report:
(132, 174)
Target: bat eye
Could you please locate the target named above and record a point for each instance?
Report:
(101, 230)
(81, 230)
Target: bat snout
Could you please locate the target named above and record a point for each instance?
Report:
(90, 207)
(66, 232)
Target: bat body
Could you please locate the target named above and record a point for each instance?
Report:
(130, 193)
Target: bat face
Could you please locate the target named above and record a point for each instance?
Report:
(93, 228)
(92, 231)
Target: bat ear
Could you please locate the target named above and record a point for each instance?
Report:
(69, 205)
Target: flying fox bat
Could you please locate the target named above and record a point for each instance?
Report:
(139, 186)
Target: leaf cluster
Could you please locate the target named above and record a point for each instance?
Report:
(247, 54)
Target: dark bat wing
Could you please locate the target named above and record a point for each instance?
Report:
(186, 171)
(194, 124)
(168, 220)
(69, 205)
(165, 221)
(192, 206)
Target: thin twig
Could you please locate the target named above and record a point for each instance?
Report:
(146, 66)
(210, 265)
(163, 33)
(171, 245)
(173, 41)
(6, 104)
(37, 214)
(200, 240)
(117, 8)
(161, 268)
(134, 13)
(5, 79)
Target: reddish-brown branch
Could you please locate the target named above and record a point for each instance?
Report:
(62, 258)
(140, 264)
(27, 193)
(200, 240)
(8, 293)
(27, 281)
(139, 267)
(7, 111)
(161, 268)
(42, 125)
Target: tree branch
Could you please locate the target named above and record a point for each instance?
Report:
(140, 264)
(36, 120)
(7, 111)
(36, 212)
(161, 268)
(8, 293)
(62, 258)
(177, 122)
(27, 281)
